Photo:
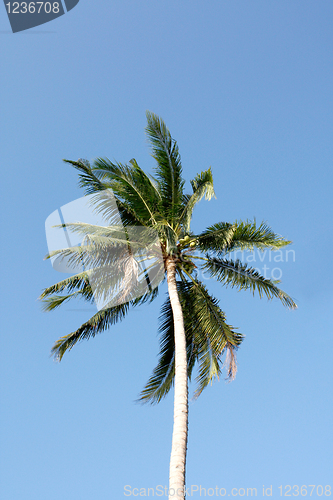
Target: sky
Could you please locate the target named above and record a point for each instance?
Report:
(246, 88)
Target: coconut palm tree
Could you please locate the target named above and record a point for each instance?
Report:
(193, 328)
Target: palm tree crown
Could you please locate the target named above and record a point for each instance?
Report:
(160, 204)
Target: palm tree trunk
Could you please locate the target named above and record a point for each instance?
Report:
(180, 417)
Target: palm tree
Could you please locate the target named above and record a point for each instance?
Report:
(193, 328)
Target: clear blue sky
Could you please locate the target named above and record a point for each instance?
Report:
(246, 87)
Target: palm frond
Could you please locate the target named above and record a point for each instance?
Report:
(248, 235)
(106, 202)
(87, 179)
(100, 237)
(162, 377)
(208, 337)
(117, 270)
(235, 274)
(101, 321)
(115, 233)
(98, 323)
(202, 185)
(77, 282)
(168, 169)
(96, 253)
(212, 335)
(130, 185)
(224, 238)
(216, 238)
(55, 301)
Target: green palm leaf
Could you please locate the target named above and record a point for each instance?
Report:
(161, 380)
(208, 337)
(168, 169)
(55, 301)
(248, 235)
(98, 253)
(101, 321)
(116, 233)
(87, 180)
(77, 282)
(225, 237)
(131, 185)
(216, 238)
(235, 274)
(90, 181)
(213, 336)
(202, 185)
(98, 323)
(162, 377)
